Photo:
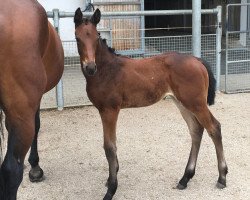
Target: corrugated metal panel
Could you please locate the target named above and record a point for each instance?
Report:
(124, 31)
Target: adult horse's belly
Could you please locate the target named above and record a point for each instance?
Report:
(53, 59)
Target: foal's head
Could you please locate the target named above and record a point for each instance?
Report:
(87, 39)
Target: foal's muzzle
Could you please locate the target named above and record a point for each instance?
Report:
(90, 68)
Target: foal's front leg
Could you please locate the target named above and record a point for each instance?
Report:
(109, 120)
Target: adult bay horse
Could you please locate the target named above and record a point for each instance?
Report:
(115, 82)
(31, 63)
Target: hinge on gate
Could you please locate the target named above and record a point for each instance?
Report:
(220, 24)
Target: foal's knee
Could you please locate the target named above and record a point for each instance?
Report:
(110, 151)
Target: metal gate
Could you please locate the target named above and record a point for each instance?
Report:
(237, 72)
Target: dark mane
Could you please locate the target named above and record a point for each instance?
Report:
(111, 50)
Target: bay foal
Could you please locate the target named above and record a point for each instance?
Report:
(115, 82)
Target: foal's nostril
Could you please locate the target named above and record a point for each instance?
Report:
(91, 69)
(91, 72)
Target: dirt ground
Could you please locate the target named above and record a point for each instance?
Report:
(153, 148)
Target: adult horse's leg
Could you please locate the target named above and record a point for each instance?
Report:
(213, 128)
(36, 173)
(196, 132)
(109, 120)
(21, 131)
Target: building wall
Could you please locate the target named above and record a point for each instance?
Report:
(121, 27)
(66, 24)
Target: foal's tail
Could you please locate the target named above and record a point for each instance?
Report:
(212, 82)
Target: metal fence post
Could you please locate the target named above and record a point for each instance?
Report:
(142, 28)
(196, 28)
(227, 40)
(59, 87)
(218, 47)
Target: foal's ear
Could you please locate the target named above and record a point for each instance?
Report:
(78, 17)
(95, 19)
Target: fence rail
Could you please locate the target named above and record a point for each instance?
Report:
(63, 14)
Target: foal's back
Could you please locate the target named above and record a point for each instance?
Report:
(148, 80)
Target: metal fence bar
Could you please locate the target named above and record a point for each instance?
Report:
(218, 47)
(237, 61)
(226, 66)
(142, 27)
(246, 31)
(63, 14)
(59, 86)
(238, 4)
(196, 28)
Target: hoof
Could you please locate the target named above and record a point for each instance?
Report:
(181, 187)
(36, 174)
(220, 185)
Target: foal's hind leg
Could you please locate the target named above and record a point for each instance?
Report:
(36, 173)
(213, 128)
(109, 120)
(196, 132)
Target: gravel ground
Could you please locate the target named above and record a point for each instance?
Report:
(153, 148)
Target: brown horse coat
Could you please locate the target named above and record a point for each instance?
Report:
(31, 63)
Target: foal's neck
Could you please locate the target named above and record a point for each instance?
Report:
(104, 55)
